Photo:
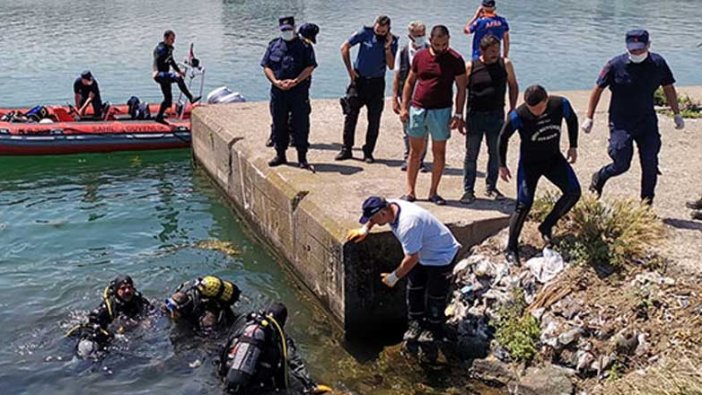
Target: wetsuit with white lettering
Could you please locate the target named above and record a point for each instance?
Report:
(540, 155)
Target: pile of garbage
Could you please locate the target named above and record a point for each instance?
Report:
(594, 327)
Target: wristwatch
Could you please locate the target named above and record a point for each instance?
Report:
(457, 115)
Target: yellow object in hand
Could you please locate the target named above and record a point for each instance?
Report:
(357, 235)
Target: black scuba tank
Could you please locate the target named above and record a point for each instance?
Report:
(243, 357)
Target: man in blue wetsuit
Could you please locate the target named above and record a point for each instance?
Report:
(163, 62)
(633, 78)
(288, 64)
(487, 22)
(539, 124)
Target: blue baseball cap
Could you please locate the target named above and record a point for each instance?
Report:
(286, 23)
(309, 31)
(637, 39)
(489, 3)
(371, 206)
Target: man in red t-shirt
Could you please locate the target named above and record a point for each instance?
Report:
(434, 71)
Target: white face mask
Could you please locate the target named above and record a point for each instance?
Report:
(287, 35)
(638, 58)
(419, 41)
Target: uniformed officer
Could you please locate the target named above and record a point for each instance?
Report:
(308, 33)
(288, 64)
(633, 78)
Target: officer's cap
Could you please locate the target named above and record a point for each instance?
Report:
(286, 23)
(636, 39)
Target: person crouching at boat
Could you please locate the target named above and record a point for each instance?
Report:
(204, 303)
(163, 62)
(120, 302)
(87, 93)
(260, 358)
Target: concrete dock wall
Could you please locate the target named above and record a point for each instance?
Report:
(305, 216)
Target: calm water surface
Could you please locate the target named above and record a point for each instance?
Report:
(68, 225)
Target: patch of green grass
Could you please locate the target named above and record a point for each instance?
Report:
(689, 108)
(517, 330)
(598, 232)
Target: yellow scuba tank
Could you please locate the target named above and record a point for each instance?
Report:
(212, 287)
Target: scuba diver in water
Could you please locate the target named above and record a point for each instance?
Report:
(120, 301)
(260, 358)
(204, 303)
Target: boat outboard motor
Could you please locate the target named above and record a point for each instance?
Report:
(223, 95)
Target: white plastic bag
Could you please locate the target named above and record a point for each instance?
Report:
(545, 268)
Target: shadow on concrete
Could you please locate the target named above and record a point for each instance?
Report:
(390, 162)
(505, 206)
(683, 224)
(334, 168)
(458, 171)
(326, 146)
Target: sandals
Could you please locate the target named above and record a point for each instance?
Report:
(408, 198)
(438, 200)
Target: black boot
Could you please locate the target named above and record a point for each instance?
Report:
(546, 234)
(695, 205)
(512, 256)
(596, 185)
(302, 160)
(279, 159)
(697, 214)
(343, 154)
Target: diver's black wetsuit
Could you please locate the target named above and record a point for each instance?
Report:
(540, 155)
(163, 61)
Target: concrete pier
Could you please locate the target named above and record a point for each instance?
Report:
(305, 216)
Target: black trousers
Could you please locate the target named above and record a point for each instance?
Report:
(557, 170)
(165, 80)
(291, 108)
(370, 92)
(96, 104)
(427, 291)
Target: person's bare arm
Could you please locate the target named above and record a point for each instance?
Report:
(408, 89)
(478, 12)
(595, 96)
(389, 54)
(271, 76)
(671, 96)
(469, 68)
(505, 45)
(512, 85)
(346, 56)
(396, 91)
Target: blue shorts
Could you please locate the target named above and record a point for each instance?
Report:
(434, 122)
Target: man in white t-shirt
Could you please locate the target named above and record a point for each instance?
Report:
(430, 250)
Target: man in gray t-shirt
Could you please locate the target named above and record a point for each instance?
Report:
(430, 250)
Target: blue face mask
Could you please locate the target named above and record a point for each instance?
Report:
(419, 41)
(287, 35)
